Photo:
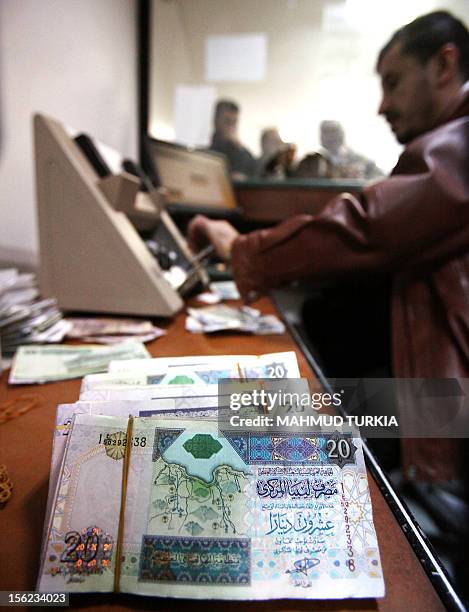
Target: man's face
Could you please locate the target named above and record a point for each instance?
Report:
(272, 143)
(227, 124)
(408, 94)
(332, 136)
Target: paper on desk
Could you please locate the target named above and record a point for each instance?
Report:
(105, 326)
(24, 319)
(208, 297)
(226, 290)
(160, 371)
(222, 290)
(209, 319)
(112, 330)
(8, 277)
(158, 364)
(53, 333)
(149, 337)
(40, 364)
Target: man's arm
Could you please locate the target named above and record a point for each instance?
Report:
(220, 234)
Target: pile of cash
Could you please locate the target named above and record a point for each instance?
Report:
(24, 318)
(226, 290)
(112, 330)
(217, 318)
(148, 496)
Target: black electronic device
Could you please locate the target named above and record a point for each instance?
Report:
(92, 154)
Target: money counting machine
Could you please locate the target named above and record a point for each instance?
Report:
(93, 257)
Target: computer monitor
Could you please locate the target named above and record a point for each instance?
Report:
(191, 177)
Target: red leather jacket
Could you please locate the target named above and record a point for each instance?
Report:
(414, 224)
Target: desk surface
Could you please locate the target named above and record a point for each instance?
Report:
(25, 449)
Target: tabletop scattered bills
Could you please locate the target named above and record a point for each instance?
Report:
(226, 318)
(219, 291)
(226, 290)
(24, 317)
(112, 330)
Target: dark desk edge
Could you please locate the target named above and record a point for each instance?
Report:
(210, 211)
(419, 542)
(302, 183)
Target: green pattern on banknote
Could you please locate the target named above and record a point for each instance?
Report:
(181, 380)
(202, 446)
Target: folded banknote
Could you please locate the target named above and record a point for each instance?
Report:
(108, 386)
(40, 364)
(166, 364)
(112, 330)
(220, 317)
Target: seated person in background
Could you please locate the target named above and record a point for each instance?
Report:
(349, 164)
(413, 226)
(277, 156)
(225, 140)
(316, 165)
(335, 159)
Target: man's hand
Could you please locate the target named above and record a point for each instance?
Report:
(203, 231)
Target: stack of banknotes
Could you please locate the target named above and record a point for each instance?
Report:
(220, 317)
(24, 318)
(148, 496)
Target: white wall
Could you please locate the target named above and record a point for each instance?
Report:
(75, 60)
(321, 64)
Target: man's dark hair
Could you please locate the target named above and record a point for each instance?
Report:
(424, 36)
(225, 105)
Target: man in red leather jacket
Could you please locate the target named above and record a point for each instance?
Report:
(413, 225)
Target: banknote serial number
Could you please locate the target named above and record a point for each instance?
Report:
(32, 598)
(113, 440)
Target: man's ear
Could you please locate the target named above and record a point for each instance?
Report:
(445, 65)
